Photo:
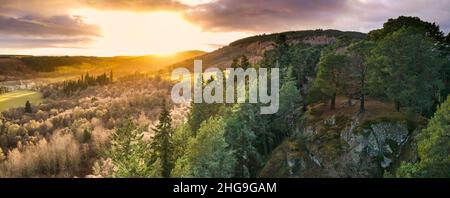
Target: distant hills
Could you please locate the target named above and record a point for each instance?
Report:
(13, 67)
(255, 46)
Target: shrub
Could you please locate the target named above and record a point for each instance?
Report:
(59, 157)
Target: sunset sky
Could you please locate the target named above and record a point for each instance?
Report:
(139, 27)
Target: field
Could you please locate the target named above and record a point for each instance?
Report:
(18, 99)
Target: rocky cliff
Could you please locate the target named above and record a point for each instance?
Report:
(345, 143)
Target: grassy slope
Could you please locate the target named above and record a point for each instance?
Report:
(18, 99)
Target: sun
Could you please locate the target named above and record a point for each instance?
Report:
(135, 33)
(131, 33)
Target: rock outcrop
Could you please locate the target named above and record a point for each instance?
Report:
(337, 145)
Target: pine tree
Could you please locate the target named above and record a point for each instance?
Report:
(129, 153)
(404, 69)
(359, 53)
(235, 63)
(331, 75)
(245, 64)
(240, 134)
(208, 154)
(28, 108)
(162, 145)
(433, 147)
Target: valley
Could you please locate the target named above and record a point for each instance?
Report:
(350, 105)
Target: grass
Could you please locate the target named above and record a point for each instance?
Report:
(19, 98)
(376, 111)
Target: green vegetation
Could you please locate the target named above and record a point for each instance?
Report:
(401, 63)
(162, 144)
(19, 98)
(433, 147)
(129, 153)
(207, 154)
(300, 35)
(71, 86)
(28, 108)
(398, 74)
(331, 75)
(359, 52)
(391, 68)
(50, 63)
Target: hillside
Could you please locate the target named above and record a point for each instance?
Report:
(255, 46)
(13, 67)
(344, 143)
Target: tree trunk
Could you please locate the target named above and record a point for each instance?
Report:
(349, 101)
(397, 106)
(362, 109)
(333, 101)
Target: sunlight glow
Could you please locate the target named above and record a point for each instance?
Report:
(194, 2)
(141, 33)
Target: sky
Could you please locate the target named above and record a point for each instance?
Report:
(140, 27)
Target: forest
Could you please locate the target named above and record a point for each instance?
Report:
(394, 77)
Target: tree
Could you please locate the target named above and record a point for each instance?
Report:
(426, 29)
(241, 62)
(307, 59)
(240, 134)
(290, 99)
(245, 63)
(235, 63)
(414, 23)
(207, 155)
(445, 71)
(28, 108)
(359, 53)
(281, 52)
(180, 138)
(129, 153)
(401, 63)
(162, 145)
(201, 112)
(331, 75)
(433, 147)
(111, 79)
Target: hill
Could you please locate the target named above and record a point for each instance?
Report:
(255, 46)
(16, 67)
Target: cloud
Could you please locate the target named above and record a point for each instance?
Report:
(48, 23)
(53, 26)
(135, 5)
(276, 15)
(47, 8)
(61, 7)
(43, 24)
(264, 15)
(13, 42)
(374, 13)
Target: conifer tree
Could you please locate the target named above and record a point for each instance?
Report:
(28, 108)
(162, 145)
(129, 153)
(330, 75)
